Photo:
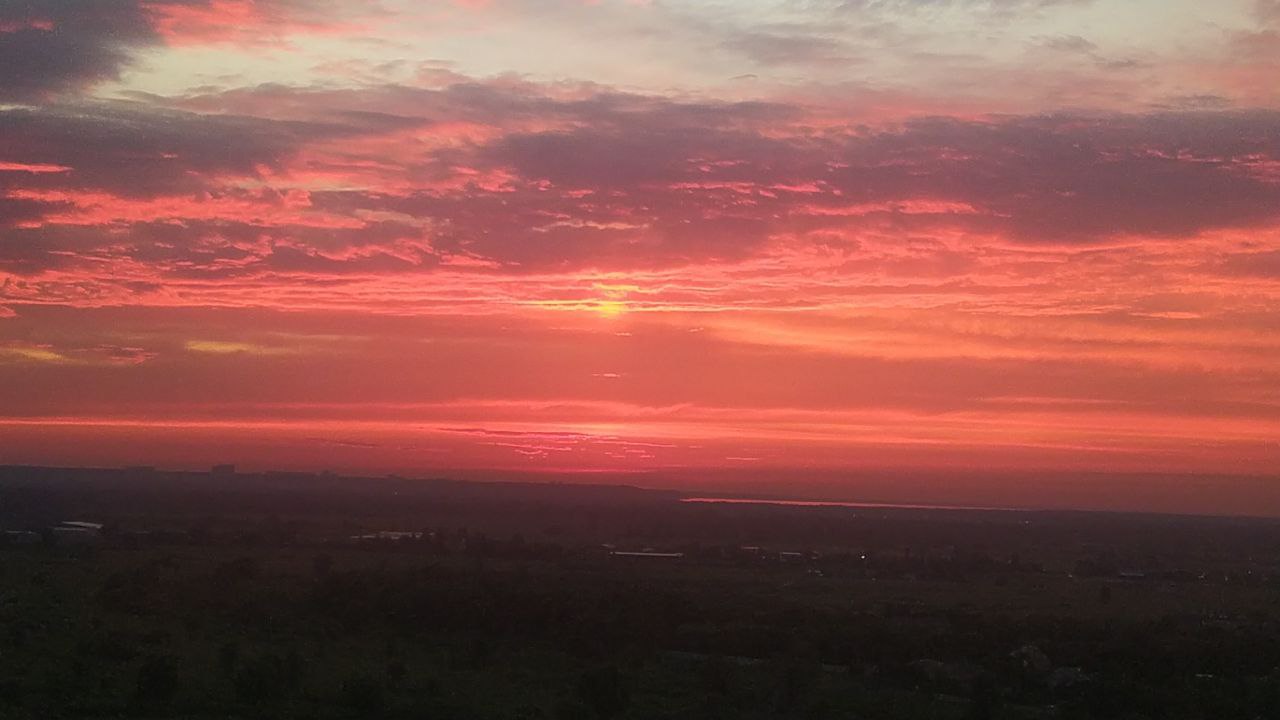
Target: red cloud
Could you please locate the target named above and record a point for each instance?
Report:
(34, 168)
(13, 26)
(245, 22)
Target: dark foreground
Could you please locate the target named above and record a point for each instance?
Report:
(291, 596)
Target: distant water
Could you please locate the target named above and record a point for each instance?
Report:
(834, 503)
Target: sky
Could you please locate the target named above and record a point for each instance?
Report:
(1012, 252)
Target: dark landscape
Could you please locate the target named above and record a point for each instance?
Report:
(223, 595)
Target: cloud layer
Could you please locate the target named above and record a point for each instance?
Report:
(299, 234)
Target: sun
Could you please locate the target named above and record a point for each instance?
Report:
(610, 308)
(613, 300)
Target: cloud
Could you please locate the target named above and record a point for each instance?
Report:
(141, 149)
(1265, 264)
(102, 355)
(511, 174)
(1081, 179)
(782, 47)
(52, 47)
(245, 22)
(1068, 44)
(226, 347)
(994, 6)
(1268, 11)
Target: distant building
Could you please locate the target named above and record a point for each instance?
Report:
(289, 476)
(21, 537)
(77, 532)
(647, 554)
(387, 535)
(96, 527)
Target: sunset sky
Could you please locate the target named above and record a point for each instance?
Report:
(754, 240)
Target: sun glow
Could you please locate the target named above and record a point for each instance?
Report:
(610, 308)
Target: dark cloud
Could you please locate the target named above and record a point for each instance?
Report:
(49, 47)
(138, 149)
(56, 45)
(601, 159)
(1255, 265)
(1195, 102)
(1038, 179)
(16, 211)
(1069, 44)
(596, 178)
(219, 250)
(1072, 179)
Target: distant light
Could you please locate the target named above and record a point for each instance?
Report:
(610, 308)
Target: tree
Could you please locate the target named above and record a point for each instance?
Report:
(157, 682)
(603, 690)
